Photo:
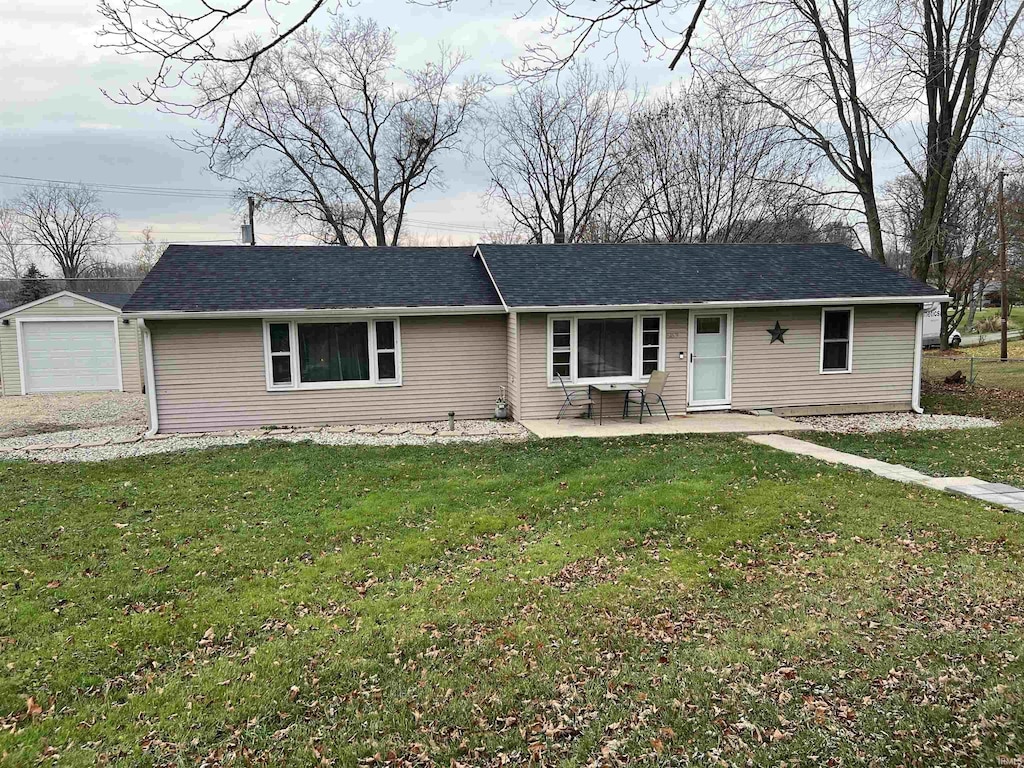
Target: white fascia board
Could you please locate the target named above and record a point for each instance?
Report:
(478, 253)
(841, 301)
(298, 313)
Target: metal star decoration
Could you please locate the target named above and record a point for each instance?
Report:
(778, 332)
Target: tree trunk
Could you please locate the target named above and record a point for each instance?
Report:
(976, 297)
(943, 325)
(874, 223)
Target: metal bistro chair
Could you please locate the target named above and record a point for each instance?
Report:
(650, 394)
(573, 400)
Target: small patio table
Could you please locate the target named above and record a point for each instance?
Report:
(625, 389)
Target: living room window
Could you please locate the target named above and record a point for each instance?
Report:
(328, 354)
(588, 348)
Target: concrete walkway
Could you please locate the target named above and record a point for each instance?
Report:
(694, 423)
(976, 340)
(997, 494)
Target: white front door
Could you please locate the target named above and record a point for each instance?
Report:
(69, 355)
(710, 359)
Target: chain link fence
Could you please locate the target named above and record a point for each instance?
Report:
(988, 372)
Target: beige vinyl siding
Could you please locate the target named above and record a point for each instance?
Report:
(513, 365)
(539, 400)
(779, 375)
(210, 375)
(127, 337)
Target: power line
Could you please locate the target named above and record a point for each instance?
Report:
(208, 194)
(134, 189)
(138, 243)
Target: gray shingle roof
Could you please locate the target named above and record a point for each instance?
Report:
(113, 299)
(198, 278)
(607, 274)
(205, 278)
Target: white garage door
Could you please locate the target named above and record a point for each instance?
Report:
(69, 356)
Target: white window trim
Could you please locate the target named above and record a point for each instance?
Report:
(293, 344)
(19, 323)
(636, 376)
(849, 343)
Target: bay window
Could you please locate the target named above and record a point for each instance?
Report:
(590, 348)
(331, 354)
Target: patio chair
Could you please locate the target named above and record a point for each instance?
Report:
(574, 400)
(650, 394)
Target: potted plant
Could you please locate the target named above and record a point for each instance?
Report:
(501, 405)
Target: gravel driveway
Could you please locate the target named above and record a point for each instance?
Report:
(41, 414)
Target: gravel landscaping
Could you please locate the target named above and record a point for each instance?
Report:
(118, 442)
(38, 414)
(867, 423)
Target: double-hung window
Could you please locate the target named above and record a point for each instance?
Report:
(588, 348)
(332, 354)
(836, 340)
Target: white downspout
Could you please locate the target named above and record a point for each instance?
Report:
(147, 345)
(915, 402)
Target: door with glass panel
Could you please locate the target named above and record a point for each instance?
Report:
(710, 362)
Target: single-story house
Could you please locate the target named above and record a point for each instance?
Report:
(245, 336)
(70, 342)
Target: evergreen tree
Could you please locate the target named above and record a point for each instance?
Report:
(32, 286)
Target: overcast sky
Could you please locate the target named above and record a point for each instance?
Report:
(57, 124)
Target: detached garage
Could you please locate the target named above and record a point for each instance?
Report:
(69, 342)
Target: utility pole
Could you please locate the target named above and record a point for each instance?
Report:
(252, 219)
(1004, 288)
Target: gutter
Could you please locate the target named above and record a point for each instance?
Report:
(259, 314)
(826, 302)
(495, 309)
(147, 344)
(915, 399)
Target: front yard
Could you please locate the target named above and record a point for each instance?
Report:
(995, 455)
(582, 602)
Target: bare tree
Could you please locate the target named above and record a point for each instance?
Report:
(148, 253)
(967, 251)
(321, 131)
(69, 223)
(183, 38)
(916, 76)
(14, 253)
(707, 167)
(557, 152)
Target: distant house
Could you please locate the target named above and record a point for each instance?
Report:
(249, 336)
(69, 342)
(992, 294)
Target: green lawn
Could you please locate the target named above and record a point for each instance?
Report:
(694, 599)
(994, 454)
(988, 371)
(1016, 317)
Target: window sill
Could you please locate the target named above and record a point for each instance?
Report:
(337, 385)
(831, 373)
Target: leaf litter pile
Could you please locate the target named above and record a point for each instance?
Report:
(647, 601)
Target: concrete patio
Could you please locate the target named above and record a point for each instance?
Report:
(694, 423)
